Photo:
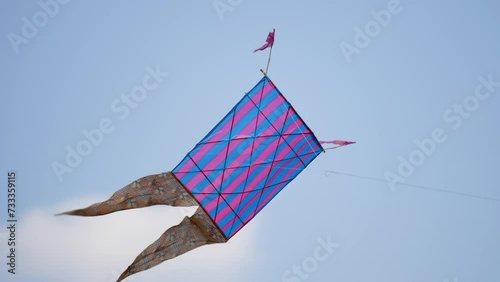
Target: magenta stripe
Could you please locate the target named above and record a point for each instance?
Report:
(241, 178)
(299, 152)
(244, 155)
(251, 215)
(198, 196)
(215, 162)
(207, 147)
(268, 87)
(231, 223)
(238, 160)
(238, 229)
(270, 149)
(225, 129)
(258, 98)
(227, 173)
(226, 210)
(234, 184)
(297, 123)
(274, 191)
(241, 157)
(241, 211)
(291, 170)
(181, 174)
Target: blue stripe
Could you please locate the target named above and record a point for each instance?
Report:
(290, 180)
(230, 158)
(280, 176)
(266, 124)
(181, 164)
(258, 185)
(228, 218)
(295, 126)
(257, 151)
(230, 198)
(233, 229)
(233, 110)
(220, 147)
(258, 87)
(249, 118)
(292, 122)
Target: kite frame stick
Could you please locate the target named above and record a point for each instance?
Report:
(269, 59)
(331, 148)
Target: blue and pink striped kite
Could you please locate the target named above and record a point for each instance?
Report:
(231, 175)
(255, 151)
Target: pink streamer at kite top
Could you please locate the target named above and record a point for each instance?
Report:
(269, 42)
(338, 142)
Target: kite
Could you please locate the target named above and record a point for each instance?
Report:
(259, 147)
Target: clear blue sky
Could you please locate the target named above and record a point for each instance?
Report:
(389, 79)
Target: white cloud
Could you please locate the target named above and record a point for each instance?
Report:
(68, 248)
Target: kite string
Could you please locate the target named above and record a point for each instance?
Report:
(329, 172)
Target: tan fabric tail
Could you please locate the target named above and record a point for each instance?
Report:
(160, 189)
(157, 189)
(192, 232)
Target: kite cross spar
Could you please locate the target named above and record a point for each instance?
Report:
(259, 147)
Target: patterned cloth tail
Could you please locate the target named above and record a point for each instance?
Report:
(160, 189)
(157, 189)
(192, 232)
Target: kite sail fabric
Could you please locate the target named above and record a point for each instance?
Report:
(231, 175)
(269, 42)
(255, 151)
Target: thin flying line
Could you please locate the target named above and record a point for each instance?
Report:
(328, 172)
